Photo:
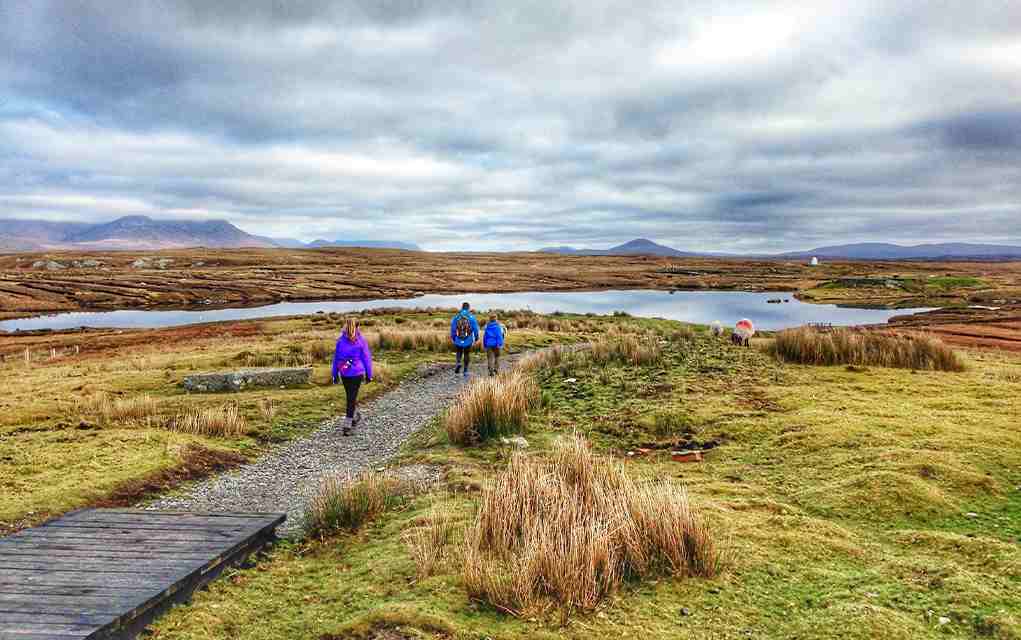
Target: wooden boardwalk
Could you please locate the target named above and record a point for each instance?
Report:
(106, 573)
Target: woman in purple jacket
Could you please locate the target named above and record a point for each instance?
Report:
(352, 361)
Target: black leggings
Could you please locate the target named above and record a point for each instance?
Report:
(464, 352)
(351, 385)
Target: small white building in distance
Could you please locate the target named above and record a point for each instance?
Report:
(814, 261)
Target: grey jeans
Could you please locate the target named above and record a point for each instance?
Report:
(493, 359)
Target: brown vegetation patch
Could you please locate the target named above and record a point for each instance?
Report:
(197, 462)
(568, 532)
(90, 343)
(807, 345)
(238, 277)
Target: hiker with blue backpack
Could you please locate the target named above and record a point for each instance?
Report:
(492, 341)
(464, 333)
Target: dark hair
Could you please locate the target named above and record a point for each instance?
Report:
(465, 306)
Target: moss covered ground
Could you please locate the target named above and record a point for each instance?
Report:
(851, 504)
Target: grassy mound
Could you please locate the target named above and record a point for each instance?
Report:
(881, 495)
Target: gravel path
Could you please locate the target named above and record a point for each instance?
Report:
(284, 479)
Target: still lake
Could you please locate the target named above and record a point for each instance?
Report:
(700, 307)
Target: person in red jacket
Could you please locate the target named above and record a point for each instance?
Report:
(352, 362)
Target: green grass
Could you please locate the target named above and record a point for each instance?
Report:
(48, 465)
(897, 290)
(843, 498)
(954, 282)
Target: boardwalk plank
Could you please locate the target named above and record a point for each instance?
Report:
(85, 618)
(27, 552)
(86, 545)
(67, 604)
(110, 572)
(127, 534)
(134, 515)
(52, 628)
(119, 565)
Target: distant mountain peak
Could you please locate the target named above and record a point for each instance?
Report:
(364, 244)
(638, 246)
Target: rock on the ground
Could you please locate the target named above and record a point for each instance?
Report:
(517, 441)
(247, 378)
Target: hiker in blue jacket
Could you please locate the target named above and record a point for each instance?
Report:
(492, 341)
(464, 332)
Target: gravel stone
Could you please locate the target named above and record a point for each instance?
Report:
(284, 480)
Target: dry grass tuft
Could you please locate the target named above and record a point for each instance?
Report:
(145, 412)
(806, 345)
(569, 531)
(629, 349)
(411, 340)
(267, 409)
(683, 334)
(109, 410)
(345, 504)
(223, 421)
(428, 543)
(491, 407)
(543, 359)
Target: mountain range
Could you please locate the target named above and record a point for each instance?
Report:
(858, 251)
(143, 233)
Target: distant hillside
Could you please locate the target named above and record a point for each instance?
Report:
(858, 251)
(143, 233)
(887, 251)
(35, 235)
(140, 232)
(639, 246)
(365, 244)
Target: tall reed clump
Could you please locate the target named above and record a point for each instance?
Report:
(568, 531)
(629, 349)
(491, 407)
(345, 503)
(806, 345)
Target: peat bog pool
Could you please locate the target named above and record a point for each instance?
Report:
(700, 307)
(689, 306)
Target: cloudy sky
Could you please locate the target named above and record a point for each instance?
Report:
(737, 126)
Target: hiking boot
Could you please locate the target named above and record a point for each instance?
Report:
(457, 370)
(357, 419)
(347, 427)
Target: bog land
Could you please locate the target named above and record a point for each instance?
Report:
(837, 496)
(980, 301)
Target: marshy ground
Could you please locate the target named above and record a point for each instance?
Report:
(203, 278)
(857, 502)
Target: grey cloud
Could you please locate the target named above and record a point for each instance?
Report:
(751, 126)
(997, 130)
